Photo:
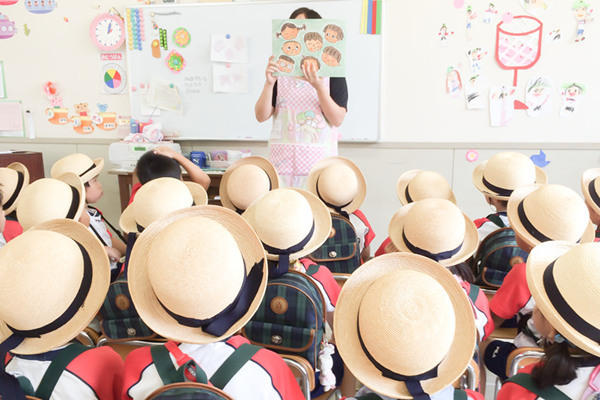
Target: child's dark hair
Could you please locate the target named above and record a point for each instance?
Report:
(558, 367)
(309, 13)
(151, 166)
(313, 36)
(463, 271)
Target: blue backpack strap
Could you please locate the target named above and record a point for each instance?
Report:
(167, 371)
(233, 364)
(526, 381)
(473, 292)
(131, 238)
(496, 220)
(56, 368)
(460, 395)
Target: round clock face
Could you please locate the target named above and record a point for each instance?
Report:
(108, 32)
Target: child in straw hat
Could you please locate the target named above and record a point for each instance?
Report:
(439, 230)
(418, 297)
(13, 179)
(590, 187)
(41, 319)
(496, 179)
(416, 185)
(537, 213)
(88, 171)
(215, 282)
(165, 162)
(564, 279)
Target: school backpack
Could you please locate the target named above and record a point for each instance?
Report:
(498, 252)
(119, 318)
(291, 317)
(177, 386)
(340, 253)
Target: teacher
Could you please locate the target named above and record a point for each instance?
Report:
(306, 112)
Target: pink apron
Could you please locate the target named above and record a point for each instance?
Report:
(300, 136)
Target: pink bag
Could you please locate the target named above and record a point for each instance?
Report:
(593, 390)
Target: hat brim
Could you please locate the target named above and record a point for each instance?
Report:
(91, 304)
(315, 172)
(198, 193)
(468, 248)
(587, 177)
(140, 287)
(74, 181)
(403, 182)
(19, 167)
(516, 224)
(258, 161)
(92, 173)
(345, 322)
(539, 259)
(540, 178)
(127, 220)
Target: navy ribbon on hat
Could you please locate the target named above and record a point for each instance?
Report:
(564, 309)
(13, 197)
(412, 382)
(9, 386)
(444, 255)
(499, 190)
(593, 193)
(220, 323)
(337, 209)
(88, 170)
(408, 198)
(532, 230)
(283, 265)
(74, 203)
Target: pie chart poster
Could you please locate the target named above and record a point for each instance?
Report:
(113, 75)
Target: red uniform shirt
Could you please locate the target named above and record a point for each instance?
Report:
(323, 278)
(514, 296)
(12, 229)
(481, 310)
(134, 190)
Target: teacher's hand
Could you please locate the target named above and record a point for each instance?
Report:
(271, 69)
(312, 77)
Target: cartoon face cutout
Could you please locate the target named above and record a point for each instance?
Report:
(573, 91)
(331, 56)
(333, 33)
(313, 41)
(291, 48)
(289, 31)
(285, 64)
(81, 108)
(310, 63)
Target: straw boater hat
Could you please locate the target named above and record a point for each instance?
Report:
(50, 198)
(245, 181)
(406, 315)
(291, 223)
(417, 184)
(215, 280)
(339, 183)
(434, 228)
(13, 179)
(157, 198)
(564, 280)
(505, 172)
(68, 256)
(590, 187)
(79, 164)
(541, 213)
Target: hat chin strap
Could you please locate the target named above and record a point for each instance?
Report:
(444, 255)
(412, 382)
(9, 385)
(283, 265)
(593, 193)
(220, 323)
(88, 170)
(338, 209)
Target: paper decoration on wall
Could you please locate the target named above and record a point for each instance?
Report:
(40, 6)
(135, 28)
(106, 121)
(155, 46)
(2, 81)
(230, 78)
(583, 16)
(501, 105)
(571, 95)
(538, 96)
(554, 36)
(113, 79)
(474, 95)
(11, 119)
(519, 46)
(228, 48)
(370, 20)
(539, 159)
(472, 155)
(317, 42)
(164, 96)
(107, 31)
(175, 61)
(162, 34)
(489, 14)
(453, 82)
(444, 34)
(26, 30)
(8, 2)
(7, 27)
(535, 7)
(181, 37)
(471, 16)
(476, 57)
(56, 114)
(82, 121)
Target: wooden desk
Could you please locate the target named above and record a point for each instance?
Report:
(31, 159)
(125, 179)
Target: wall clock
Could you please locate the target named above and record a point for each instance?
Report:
(107, 31)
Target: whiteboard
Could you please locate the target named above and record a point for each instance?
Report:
(222, 116)
(416, 108)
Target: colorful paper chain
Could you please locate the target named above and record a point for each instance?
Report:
(135, 28)
(163, 39)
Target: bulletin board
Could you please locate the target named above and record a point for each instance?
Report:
(428, 45)
(209, 115)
